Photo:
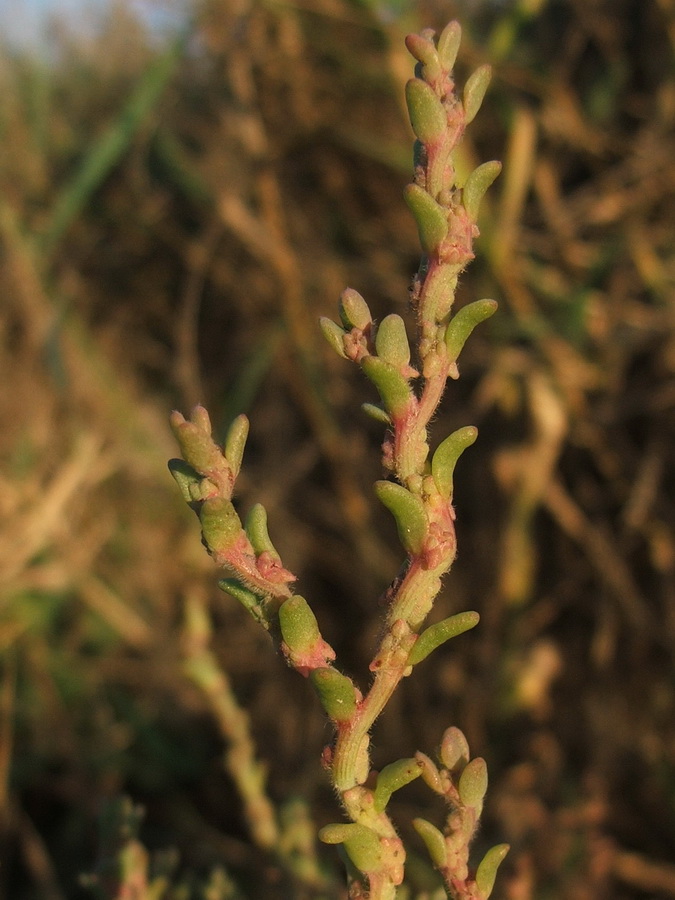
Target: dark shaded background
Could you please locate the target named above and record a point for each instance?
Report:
(174, 217)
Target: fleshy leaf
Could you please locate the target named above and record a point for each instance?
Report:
(221, 526)
(463, 323)
(476, 186)
(337, 833)
(334, 335)
(250, 601)
(391, 341)
(445, 458)
(298, 624)
(200, 417)
(455, 752)
(431, 218)
(448, 44)
(235, 442)
(377, 413)
(186, 478)
(487, 869)
(197, 446)
(354, 310)
(422, 49)
(393, 777)
(256, 530)
(408, 511)
(430, 774)
(336, 693)
(474, 91)
(473, 782)
(434, 840)
(427, 114)
(361, 843)
(391, 385)
(439, 633)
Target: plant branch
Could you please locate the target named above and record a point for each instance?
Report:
(417, 491)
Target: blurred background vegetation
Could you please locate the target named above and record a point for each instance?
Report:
(176, 211)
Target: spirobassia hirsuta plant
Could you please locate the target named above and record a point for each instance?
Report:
(417, 490)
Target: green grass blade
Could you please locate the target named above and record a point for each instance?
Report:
(107, 151)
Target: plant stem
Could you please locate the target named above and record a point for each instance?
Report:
(350, 739)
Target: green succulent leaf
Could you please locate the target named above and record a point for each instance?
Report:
(354, 310)
(408, 511)
(474, 91)
(186, 478)
(235, 441)
(476, 186)
(201, 419)
(448, 45)
(445, 458)
(473, 782)
(428, 117)
(337, 833)
(221, 526)
(256, 530)
(455, 752)
(487, 869)
(391, 341)
(361, 843)
(334, 335)
(434, 841)
(298, 624)
(435, 635)
(336, 693)
(197, 446)
(431, 72)
(392, 778)
(393, 387)
(250, 601)
(422, 49)
(463, 323)
(430, 774)
(431, 218)
(377, 413)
